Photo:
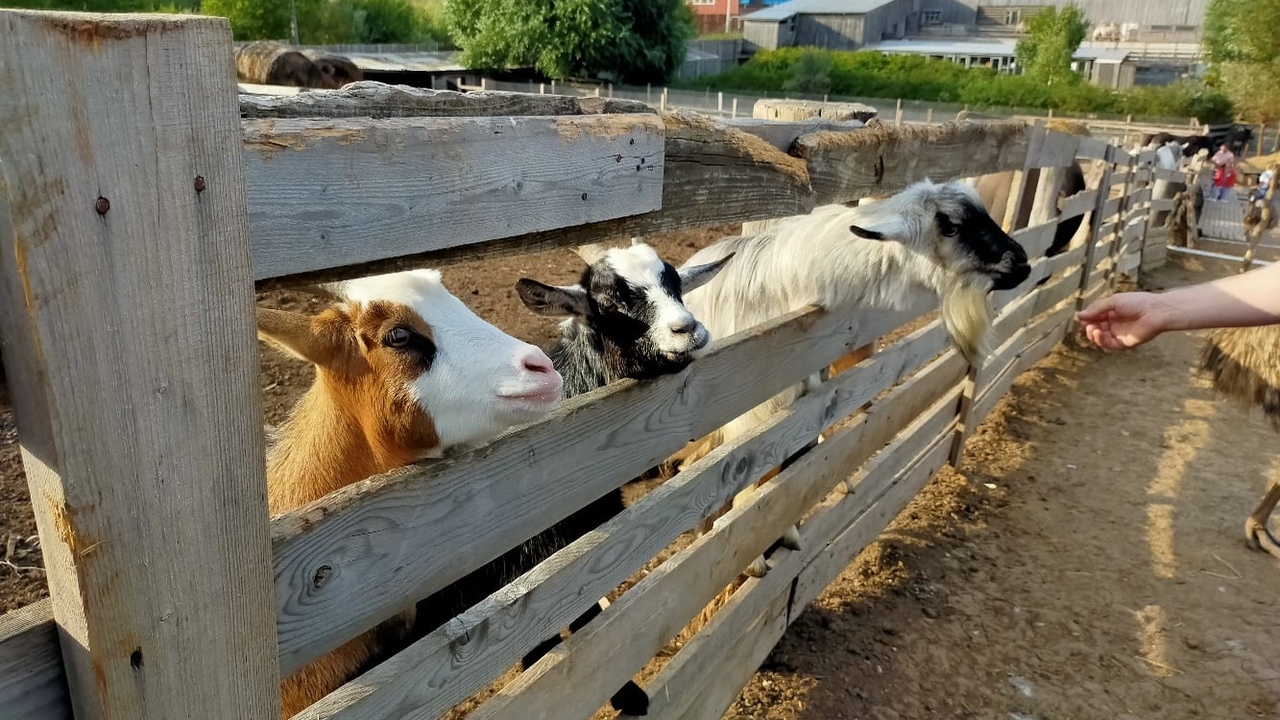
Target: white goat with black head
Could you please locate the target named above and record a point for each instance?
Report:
(624, 319)
(930, 240)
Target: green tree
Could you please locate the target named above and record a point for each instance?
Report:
(1053, 37)
(634, 40)
(1242, 40)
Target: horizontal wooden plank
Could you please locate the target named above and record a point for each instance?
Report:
(393, 539)
(1092, 149)
(883, 159)
(711, 175)
(595, 664)
(1146, 157)
(1129, 262)
(368, 99)
(1079, 204)
(1161, 205)
(1016, 315)
(1056, 150)
(33, 683)
(719, 691)
(1120, 155)
(782, 134)
(1110, 207)
(1174, 176)
(708, 672)
(1031, 355)
(344, 191)
(465, 655)
(1133, 231)
(1138, 198)
(1035, 321)
(1107, 229)
(1036, 240)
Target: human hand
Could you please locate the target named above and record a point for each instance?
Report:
(1124, 320)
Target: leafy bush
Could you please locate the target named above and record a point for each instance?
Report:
(913, 77)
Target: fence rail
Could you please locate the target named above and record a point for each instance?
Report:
(305, 188)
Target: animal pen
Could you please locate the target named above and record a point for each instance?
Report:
(143, 201)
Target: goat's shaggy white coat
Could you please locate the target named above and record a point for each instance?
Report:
(816, 259)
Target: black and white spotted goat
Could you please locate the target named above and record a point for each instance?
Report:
(625, 318)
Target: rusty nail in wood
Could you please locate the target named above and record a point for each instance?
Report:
(102, 206)
(199, 183)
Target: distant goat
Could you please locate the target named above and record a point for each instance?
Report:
(403, 371)
(930, 240)
(625, 319)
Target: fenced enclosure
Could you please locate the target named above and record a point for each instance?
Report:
(143, 201)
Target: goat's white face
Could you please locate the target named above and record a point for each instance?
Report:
(969, 252)
(948, 224)
(633, 298)
(422, 372)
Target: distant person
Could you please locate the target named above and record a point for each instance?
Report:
(1129, 319)
(1264, 182)
(1224, 174)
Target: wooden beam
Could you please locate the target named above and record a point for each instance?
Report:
(33, 683)
(431, 676)
(880, 160)
(594, 663)
(462, 512)
(342, 192)
(711, 175)
(377, 100)
(126, 307)
(783, 135)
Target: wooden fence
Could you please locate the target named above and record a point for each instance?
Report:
(141, 205)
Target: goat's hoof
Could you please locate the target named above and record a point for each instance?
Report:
(791, 538)
(758, 568)
(631, 700)
(1258, 537)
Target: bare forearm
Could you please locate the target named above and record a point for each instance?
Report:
(1252, 298)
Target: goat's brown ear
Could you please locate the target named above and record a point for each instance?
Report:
(297, 335)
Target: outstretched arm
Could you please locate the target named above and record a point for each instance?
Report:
(1130, 319)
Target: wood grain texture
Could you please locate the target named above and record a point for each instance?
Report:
(1079, 204)
(708, 672)
(881, 160)
(783, 135)
(441, 670)
(347, 191)
(33, 682)
(711, 175)
(130, 343)
(593, 662)
(369, 99)
(393, 539)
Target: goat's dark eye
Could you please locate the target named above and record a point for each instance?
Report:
(396, 337)
(949, 230)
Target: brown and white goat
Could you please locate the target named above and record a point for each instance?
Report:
(403, 371)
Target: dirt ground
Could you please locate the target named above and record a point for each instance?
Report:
(1086, 562)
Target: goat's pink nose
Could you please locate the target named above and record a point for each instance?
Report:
(537, 362)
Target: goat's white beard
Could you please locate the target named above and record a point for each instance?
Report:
(967, 314)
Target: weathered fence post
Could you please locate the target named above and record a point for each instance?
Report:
(1096, 222)
(126, 305)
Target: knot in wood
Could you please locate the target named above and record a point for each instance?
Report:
(879, 169)
(322, 576)
(199, 183)
(102, 205)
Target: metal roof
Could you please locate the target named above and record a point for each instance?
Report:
(778, 13)
(988, 48)
(408, 61)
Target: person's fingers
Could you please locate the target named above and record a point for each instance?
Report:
(1098, 309)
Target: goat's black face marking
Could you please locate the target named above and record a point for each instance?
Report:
(998, 255)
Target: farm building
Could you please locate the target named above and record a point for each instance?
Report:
(851, 24)
(1109, 67)
(831, 24)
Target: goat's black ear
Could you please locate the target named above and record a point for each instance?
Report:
(543, 299)
(865, 233)
(692, 278)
